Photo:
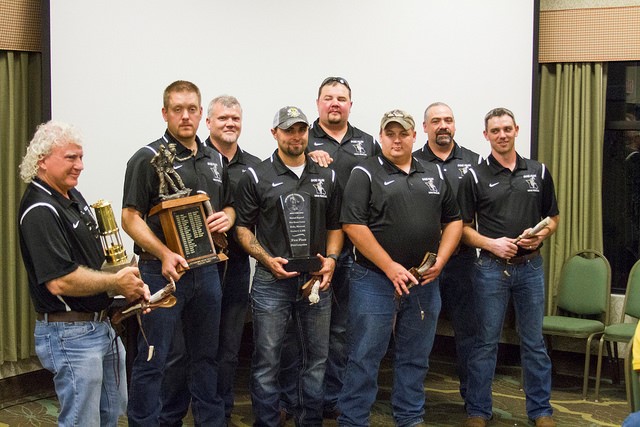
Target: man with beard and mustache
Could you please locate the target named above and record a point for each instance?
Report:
(335, 143)
(455, 284)
(262, 195)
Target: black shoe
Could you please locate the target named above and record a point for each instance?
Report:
(330, 413)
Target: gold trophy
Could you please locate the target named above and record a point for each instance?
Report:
(114, 253)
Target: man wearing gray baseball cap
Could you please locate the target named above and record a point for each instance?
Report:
(293, 205)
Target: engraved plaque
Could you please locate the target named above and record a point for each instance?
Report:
(184, 223)
(296, 213)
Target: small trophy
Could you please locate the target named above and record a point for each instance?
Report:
(114, 253)
(296, 214)
(183, 217)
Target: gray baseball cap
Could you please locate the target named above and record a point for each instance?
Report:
(288, 116)
(401, 117)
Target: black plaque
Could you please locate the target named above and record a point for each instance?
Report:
(193, 232)
(296, 214)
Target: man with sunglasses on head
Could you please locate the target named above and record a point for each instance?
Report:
(455, 282)
(336, 143)
(396, 210)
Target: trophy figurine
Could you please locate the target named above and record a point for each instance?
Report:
(183, 217)
(114, 253)
(417, 272)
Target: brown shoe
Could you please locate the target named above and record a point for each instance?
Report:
(474, 422)
(545, 422)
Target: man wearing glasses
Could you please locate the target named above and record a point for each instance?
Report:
(395, 210)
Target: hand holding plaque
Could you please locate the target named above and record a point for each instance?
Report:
(296, 215)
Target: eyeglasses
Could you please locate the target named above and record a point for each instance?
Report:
(340, 80)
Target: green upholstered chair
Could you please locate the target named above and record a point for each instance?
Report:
(621, 331)
(581, 308)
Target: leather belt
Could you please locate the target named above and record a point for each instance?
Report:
(146, 256)
(73, 316)
(517, 260)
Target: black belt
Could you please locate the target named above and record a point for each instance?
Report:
(146, 256)
(516, 260)
(73, 316)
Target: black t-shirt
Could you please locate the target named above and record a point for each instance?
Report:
(241, 161)
(57, 235)
(205, 171)
(405, 212)
(259, 195)
(505, 203)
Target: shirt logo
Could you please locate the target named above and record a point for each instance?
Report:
(275, 184)
(75, 224)
(318, 185)
(317, 144)
(430, 185)
(358, 148)
(493, 184)
(177, 166)
(463, 169)
(389, 182)
(214, 168)
(531, 182)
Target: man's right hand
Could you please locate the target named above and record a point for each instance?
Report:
(275, 265)
(503, 247)
(400, 277)
(321, 157)
(130, 285)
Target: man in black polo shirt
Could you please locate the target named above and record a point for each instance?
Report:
(455, 281)
(500, 199)
(198, 290)
(267, 198)
(396, 209)
(224, 120)
(335, 143)
(61, 250)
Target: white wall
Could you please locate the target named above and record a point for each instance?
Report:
(111, 60)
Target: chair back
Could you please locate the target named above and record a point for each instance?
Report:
(632, 295)
(585, 285)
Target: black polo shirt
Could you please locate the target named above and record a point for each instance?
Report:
(205, 171)
(505, 203)
(258, 196)
(455, 166)
(241, 161)
(405, 212)
(57, 235)
(355, 147)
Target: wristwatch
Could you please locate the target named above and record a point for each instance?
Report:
(333, 257)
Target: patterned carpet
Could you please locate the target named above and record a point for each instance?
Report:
(444, 405)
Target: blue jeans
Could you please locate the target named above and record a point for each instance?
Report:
(235, 301)
(457, 304)
(492, 290)
(89, 372)
(374, 314)
(198, 297)
(337, 359)
(274, 304)
(633, 420)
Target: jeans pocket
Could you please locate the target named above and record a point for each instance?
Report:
(264, 276)
(44, 350)
(75, 330)
(357, 272)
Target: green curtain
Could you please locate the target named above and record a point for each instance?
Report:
(570, 143)
(20, 113)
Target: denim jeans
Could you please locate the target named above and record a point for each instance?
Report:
(89, 372)
(337, 359)
(492, 290)
(457, 303)
(374, 314)
(235, 301)
(274, 304)
(198, 297)
(633, 420)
